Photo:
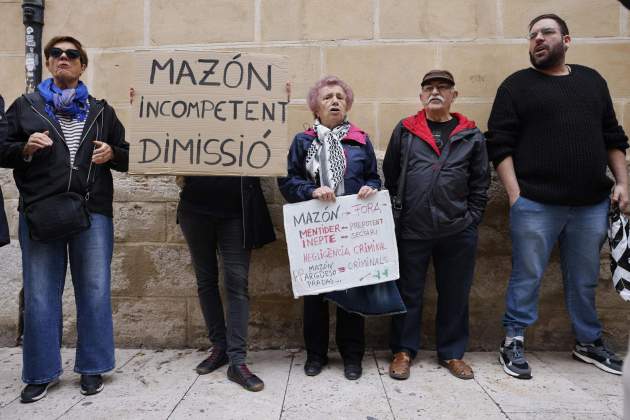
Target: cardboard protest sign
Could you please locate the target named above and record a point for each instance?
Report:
(341, 244)
(209, 113)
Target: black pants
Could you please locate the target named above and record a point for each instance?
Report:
(454, 263)
(205, 236)
(350, 334)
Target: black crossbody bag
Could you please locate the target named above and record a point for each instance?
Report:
(397, 200)
(57, 217)
(62, 215)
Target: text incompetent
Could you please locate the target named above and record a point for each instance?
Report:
(342, 244)
(209, 113)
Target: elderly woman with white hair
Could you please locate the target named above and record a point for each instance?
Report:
(332, 158)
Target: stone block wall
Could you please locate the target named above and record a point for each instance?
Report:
(382, 48)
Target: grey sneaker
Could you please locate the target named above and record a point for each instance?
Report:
(512, 358)
(598, 354)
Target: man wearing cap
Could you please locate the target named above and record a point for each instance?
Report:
(551, 133)
(445, 193)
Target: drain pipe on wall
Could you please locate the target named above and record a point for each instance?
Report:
(33, 19)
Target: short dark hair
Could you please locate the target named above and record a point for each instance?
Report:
(564, 29)
(64, 38)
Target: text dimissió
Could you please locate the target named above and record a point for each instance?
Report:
(225, 152)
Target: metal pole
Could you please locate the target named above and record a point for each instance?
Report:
(33, 19)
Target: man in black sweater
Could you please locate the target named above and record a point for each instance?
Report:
(552, 132)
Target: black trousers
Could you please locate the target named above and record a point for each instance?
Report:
(350, 334)
(206, 236)
(454, 262)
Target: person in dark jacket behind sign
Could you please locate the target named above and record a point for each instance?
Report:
(228, 216)
(61, 139)
(4, 227)
(332, 158)
(224, 216)
(445, 195)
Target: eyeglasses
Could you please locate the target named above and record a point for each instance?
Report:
(71, 53)
(441, 88)
(546, 32)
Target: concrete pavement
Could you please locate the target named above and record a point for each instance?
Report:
(161, 384)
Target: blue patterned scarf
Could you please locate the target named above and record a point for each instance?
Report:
(72, 102)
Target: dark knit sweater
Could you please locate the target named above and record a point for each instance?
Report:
(558, 130)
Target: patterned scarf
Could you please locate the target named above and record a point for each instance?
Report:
(328, 163)
(71, 102)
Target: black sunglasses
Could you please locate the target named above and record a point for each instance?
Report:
(71, 53)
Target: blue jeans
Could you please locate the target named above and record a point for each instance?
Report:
(580, 231)
(44, 272)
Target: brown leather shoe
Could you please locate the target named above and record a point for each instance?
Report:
(399, 367)
(458, 368)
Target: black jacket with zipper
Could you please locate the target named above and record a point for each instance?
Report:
(4, 227)
(49, 172)
(257, 225)
(445, 190)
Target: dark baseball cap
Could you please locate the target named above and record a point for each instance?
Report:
(443, 75)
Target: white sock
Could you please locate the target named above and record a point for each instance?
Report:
(509, 340)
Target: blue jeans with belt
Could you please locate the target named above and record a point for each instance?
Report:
(44, 273)
(580, 230)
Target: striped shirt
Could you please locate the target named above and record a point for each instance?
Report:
(72, 130)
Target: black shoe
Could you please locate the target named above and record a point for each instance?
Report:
(91, 384)
(313, 367)
(352, 371)
(600, 355)
(218, 357)
(34, 392)
(242, 376)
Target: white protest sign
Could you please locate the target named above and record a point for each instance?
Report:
(342, 244)
(209, 113)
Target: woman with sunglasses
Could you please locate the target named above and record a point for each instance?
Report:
(60, 139)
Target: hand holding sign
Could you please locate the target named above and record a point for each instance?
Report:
(366, 191)
(324, 193)
(342, 244)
